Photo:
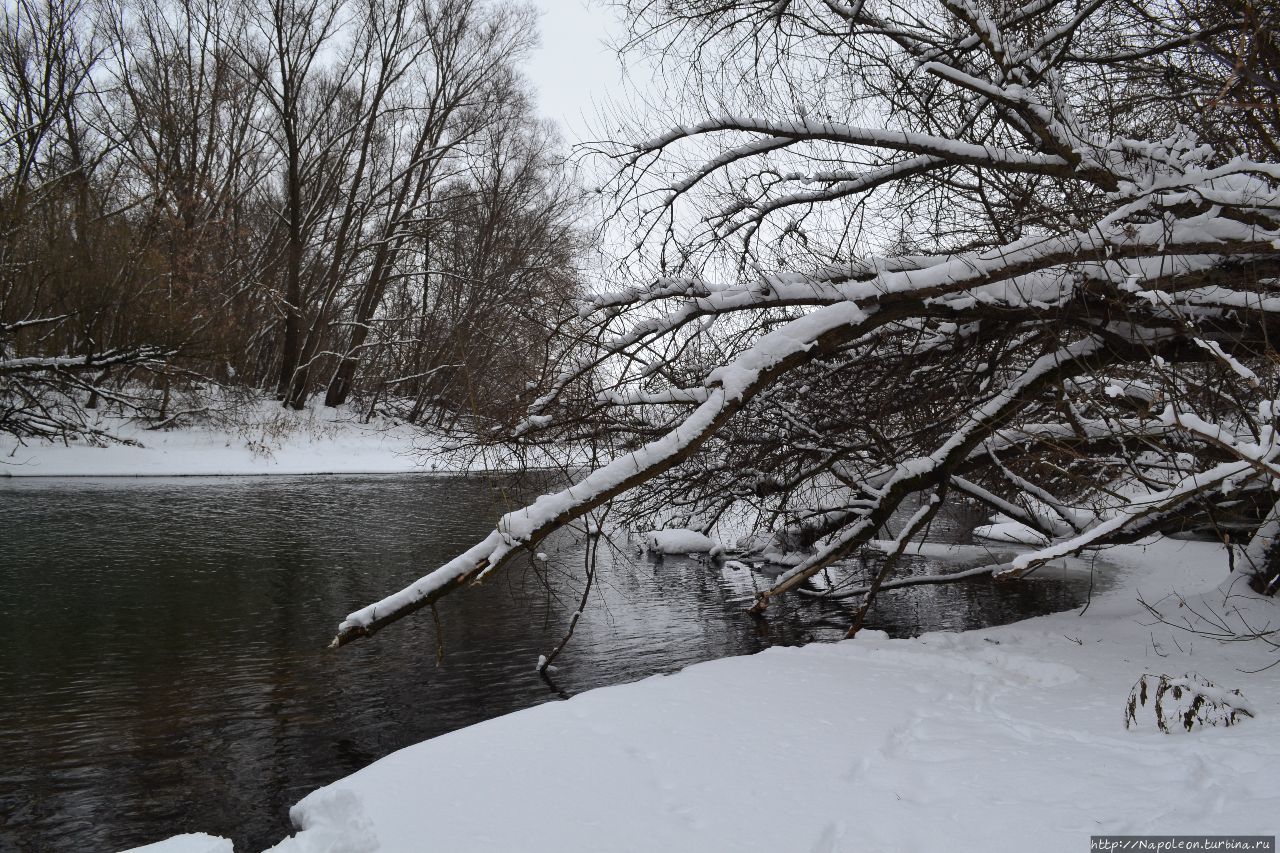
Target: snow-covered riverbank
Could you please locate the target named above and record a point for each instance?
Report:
(259, 439)
(1010, 738)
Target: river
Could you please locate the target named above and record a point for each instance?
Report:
(162, 641)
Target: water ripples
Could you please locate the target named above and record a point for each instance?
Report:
(162, 643)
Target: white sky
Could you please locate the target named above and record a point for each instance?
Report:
(574, 70)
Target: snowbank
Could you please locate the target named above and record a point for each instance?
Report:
(679, 542)
(262, 438)
(1011, 531)
(1010, 738)
(197, 842)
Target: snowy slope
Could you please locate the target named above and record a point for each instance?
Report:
(260, 439)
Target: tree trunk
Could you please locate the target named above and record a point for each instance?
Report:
(375, 286)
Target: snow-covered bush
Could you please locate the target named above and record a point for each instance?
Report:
(1182, 704)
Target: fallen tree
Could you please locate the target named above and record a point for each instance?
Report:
(1025, 253)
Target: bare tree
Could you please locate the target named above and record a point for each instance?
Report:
(68, 281)
(182, 109)
(928, 250)
(286, 56)
(495, 274)
(465, 45)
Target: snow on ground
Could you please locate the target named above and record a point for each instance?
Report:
(1009, 738)
(194, 843)
(260, 438)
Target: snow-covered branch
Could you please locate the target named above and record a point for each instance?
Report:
(950, 260)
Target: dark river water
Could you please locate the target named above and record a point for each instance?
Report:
(162, 642)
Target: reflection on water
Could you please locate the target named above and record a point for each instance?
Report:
(162, 642)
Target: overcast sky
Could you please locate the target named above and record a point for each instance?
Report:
(574, 69)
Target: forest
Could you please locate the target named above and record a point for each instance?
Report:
(315, 199)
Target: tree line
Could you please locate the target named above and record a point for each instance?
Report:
(316, 198)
